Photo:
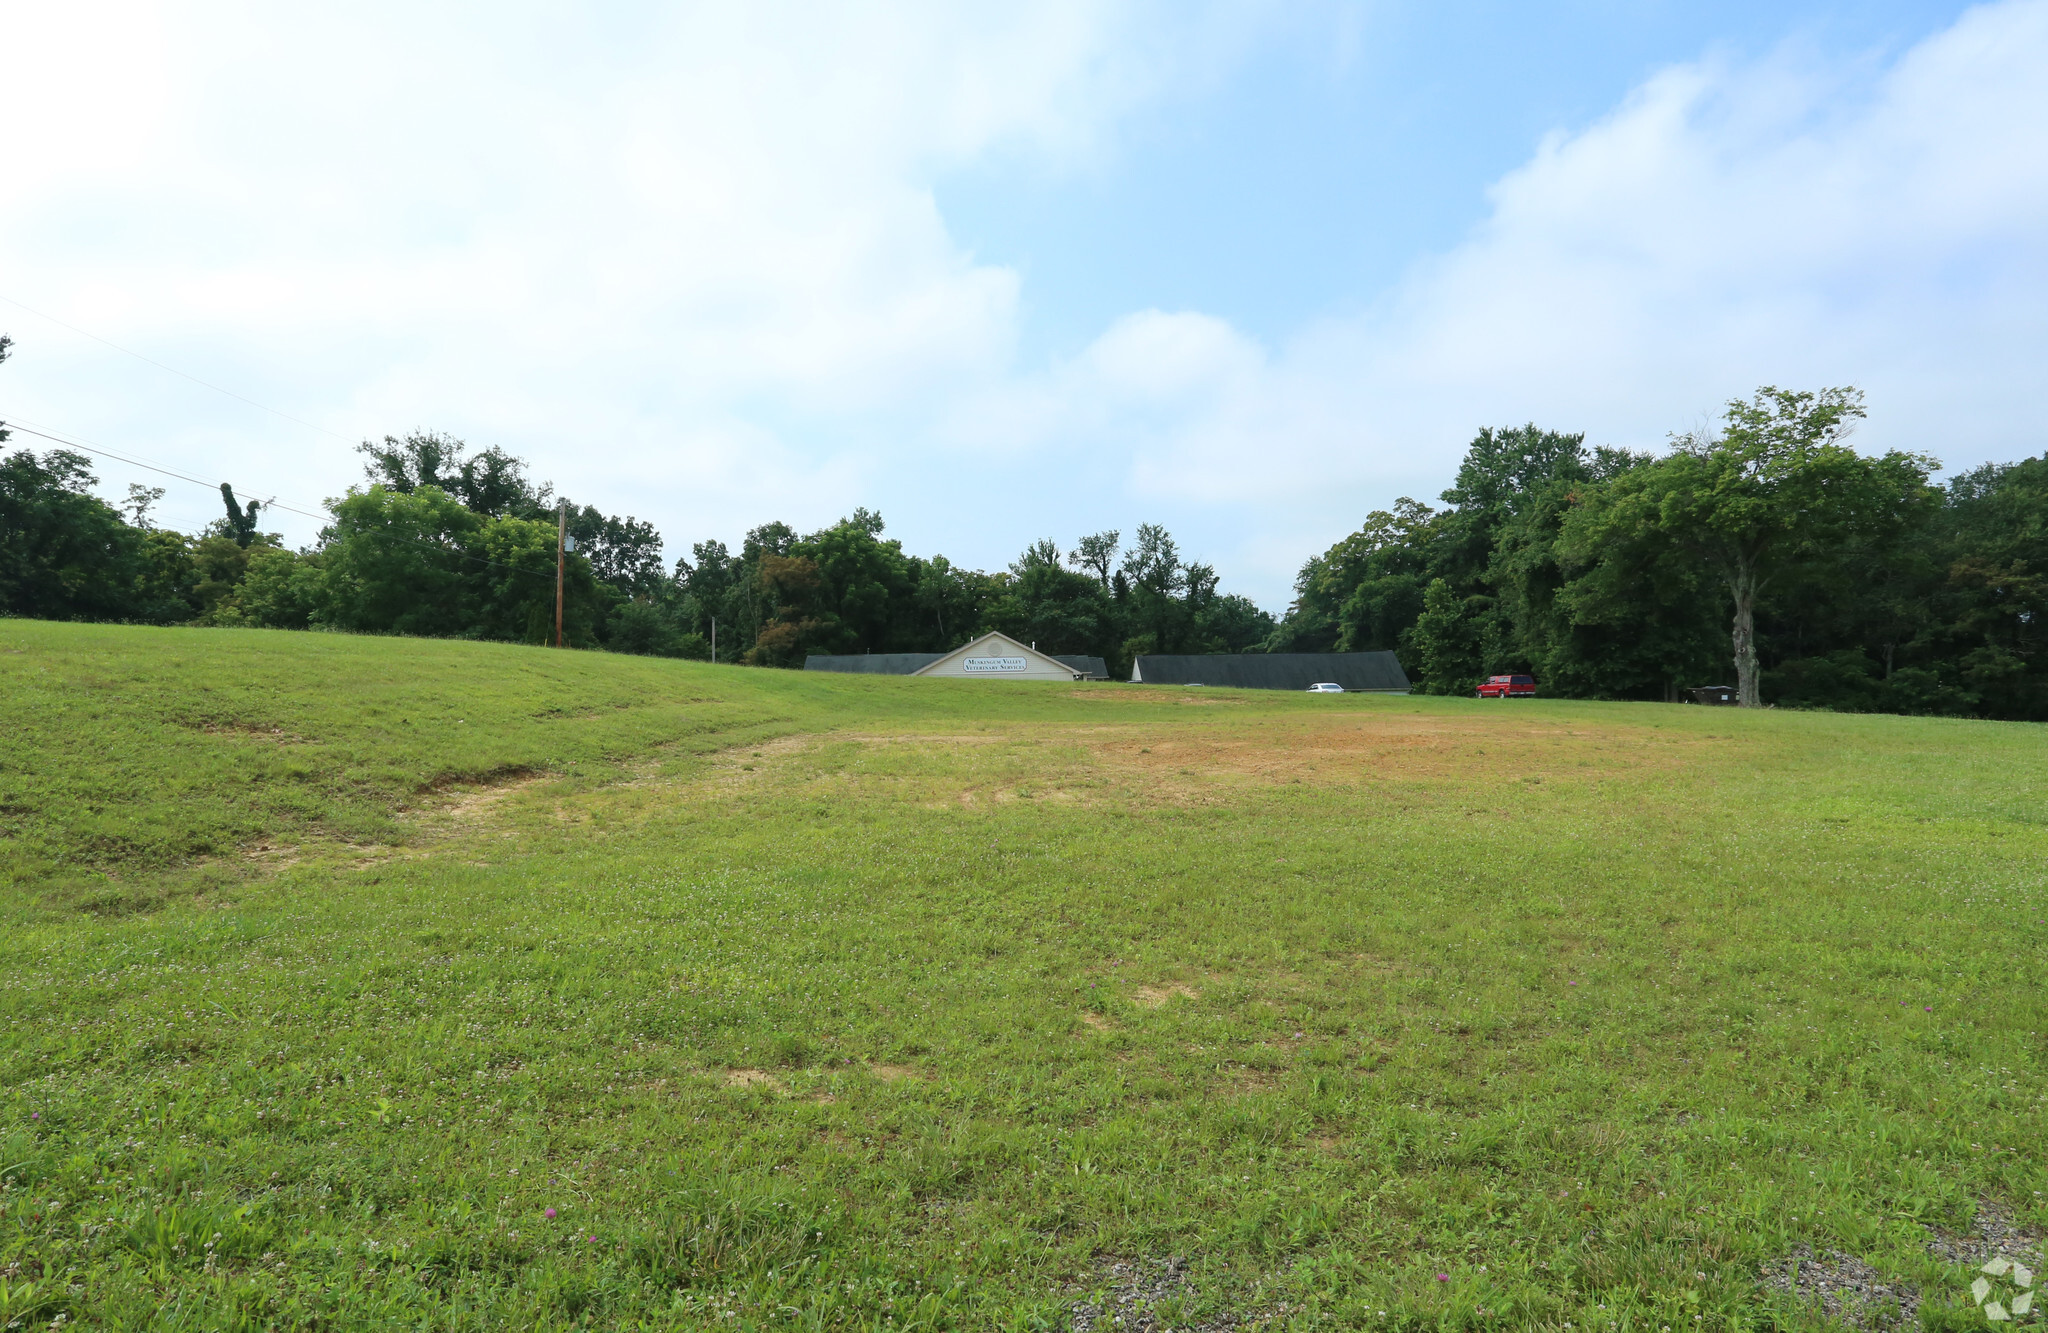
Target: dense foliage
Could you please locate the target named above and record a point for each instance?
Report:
(1767, 553)
(447, 543)
(447, 546)
(847, 590)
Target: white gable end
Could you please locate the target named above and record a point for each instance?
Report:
(997, 656)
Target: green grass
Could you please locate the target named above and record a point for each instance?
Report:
(333, 963)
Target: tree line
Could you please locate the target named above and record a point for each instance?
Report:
(442, 541)
(1763, 552)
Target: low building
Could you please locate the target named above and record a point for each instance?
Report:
(993, 656)
(1090, 668)
(1362, 673)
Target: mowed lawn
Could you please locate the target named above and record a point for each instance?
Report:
(366, 983)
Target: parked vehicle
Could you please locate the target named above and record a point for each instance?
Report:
(1508, 687)
(1326, 687)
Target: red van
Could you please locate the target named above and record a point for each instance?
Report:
(1508, 687)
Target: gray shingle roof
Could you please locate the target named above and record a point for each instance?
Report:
(1092, 667)
(873, 664)
(1274, 671)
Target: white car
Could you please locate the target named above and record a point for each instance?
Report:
(1326, 687)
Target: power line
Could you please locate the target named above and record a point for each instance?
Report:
(261, 407)
(168, 472)
(74, 443)
(267, 504)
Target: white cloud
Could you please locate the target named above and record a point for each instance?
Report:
(689, 261)
(664, 251)
(1729, 225)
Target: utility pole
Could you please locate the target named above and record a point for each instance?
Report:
(561, 541)
(714, 639)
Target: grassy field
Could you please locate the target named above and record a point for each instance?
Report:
(358, 983)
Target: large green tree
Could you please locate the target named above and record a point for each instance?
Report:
(1158, 613)
(1059, 609)
(1775, 487)
(399, 562)
(65, 554)
(1444, 649)
(491, 482)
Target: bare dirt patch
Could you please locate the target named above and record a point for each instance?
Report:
(1099, 696)
(1154, 996)
(751, 1078)
(1096, 1021)
(916, 738)
(474, 803)
(1376, 748)
(275, 856)
(446, 811)
(894, 1073)
(1177, 759)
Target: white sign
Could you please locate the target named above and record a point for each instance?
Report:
(993, 664)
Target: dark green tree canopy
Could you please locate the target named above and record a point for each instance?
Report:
(492, 482)
(1609, 573)
(1766, 551)
(64, 552)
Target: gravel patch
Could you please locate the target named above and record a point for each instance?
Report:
(1997, 1233)
(1846, 1288)
(1850, 1290)
(1126, 1295)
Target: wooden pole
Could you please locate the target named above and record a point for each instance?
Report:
(561, 532)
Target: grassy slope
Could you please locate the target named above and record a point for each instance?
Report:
(926, 1006)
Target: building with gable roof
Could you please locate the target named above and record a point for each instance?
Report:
(993, 656)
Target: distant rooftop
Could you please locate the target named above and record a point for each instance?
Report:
(872, 664)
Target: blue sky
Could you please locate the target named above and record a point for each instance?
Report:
(1345, 143)
(1247, 269)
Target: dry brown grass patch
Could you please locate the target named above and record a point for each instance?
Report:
(750, 1078)
(916, 738)
(1154, 996)
(1382, 747)
(1185, 760)
(894, 1073)
(474, 803)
